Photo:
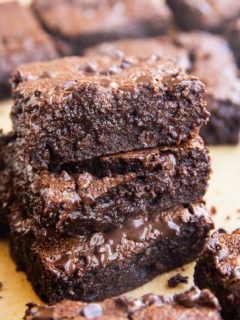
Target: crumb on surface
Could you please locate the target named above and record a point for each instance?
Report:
(176, 280)
(213, 210)
(228, 217)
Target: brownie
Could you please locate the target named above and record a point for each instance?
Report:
(100, 194)
(213, 63)
(207, 15)
(233, 35)
(209, 58)
(5, 183)
(101, 265)
(218, 269)
(192, 304)
(79, 24)
(77, 108)
(21, 40)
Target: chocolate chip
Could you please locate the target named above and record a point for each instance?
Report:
(92, 311)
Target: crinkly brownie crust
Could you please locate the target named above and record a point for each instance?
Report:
(192, 304)
(218, 269)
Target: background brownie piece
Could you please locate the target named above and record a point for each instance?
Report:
(80, 24)
(21, 40)
(100, 265)
(213, 63)
(192, 304)
(233, 34)
(219, 270)
(208, 15)
(100, 194)
(73, 109)
(209, 58)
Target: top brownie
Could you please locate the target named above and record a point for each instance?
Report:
(77, 108)
(208, 15)
(21, 40)
(192, 304)
(79, 24)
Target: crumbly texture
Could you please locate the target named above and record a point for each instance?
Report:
(219, 270)
(5, 182)
(73, 109)
(207, 15)
(80, 24)
(174, 281)
(189, 305)
(209, 58)
(233, 35)
(100, 265)
(21, 40)
(100, 194)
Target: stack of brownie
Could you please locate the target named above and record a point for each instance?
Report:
(107, 173)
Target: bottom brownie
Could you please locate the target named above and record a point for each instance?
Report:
(192, 304)
(100, 265)
(219, 270)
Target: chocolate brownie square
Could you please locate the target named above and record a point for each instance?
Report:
(233, 35)
(213, 63)
(77, 108)
(208, 15)
(102, 193)
(100, 265)
(218, 269)
(21, 40)
(209, 58)
(79, 24)
(192, 304)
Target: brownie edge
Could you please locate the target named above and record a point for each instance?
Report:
(192, 304)
(218, 269)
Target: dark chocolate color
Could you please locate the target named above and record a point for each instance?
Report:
(79, 24)
(73, 109)
(100, 265)
(100, 194)
(209, 58)
(190, 305)
(208, 15)
(21, 40)
(174, 281)
(219, 270)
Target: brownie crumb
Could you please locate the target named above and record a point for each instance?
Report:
(213, 210)
(228, 217)
(176, 280)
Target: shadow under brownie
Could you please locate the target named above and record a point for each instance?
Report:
(100, 265)
(100, 194)
(192, 304)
